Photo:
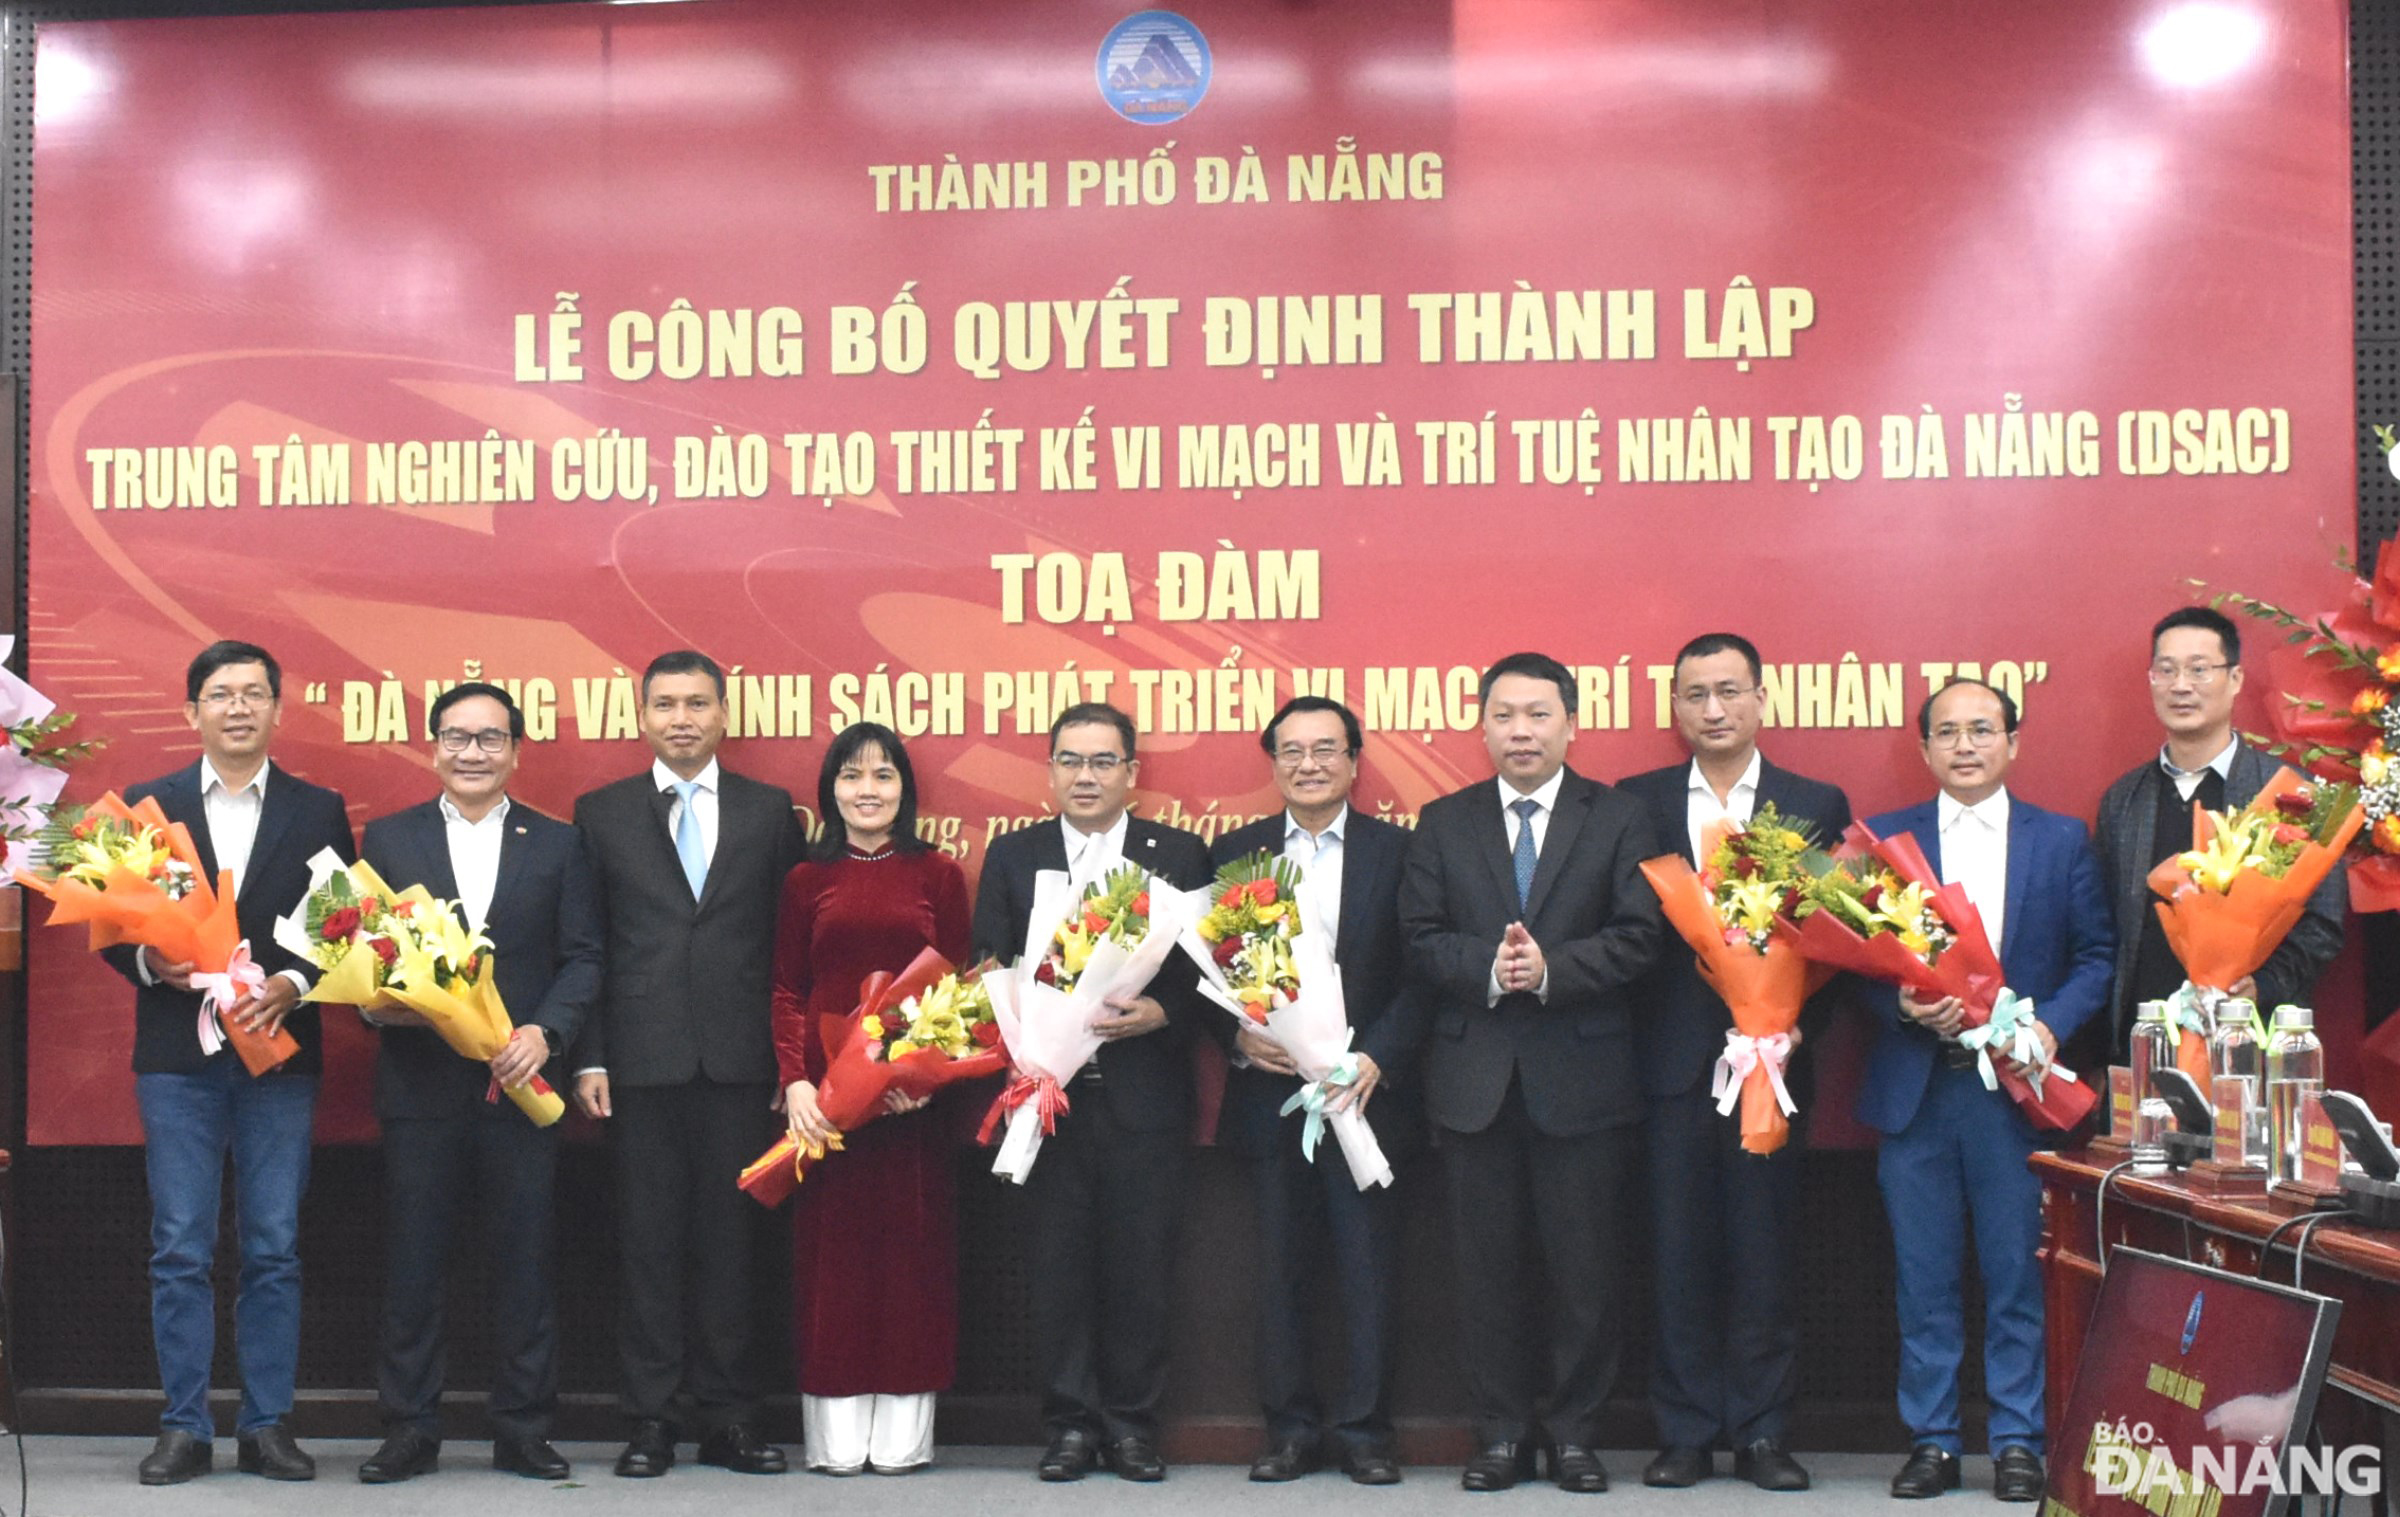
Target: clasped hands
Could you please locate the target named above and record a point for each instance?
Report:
(1264, 1053)
(1946, 1017)
(261, 1013)
(1519, 964)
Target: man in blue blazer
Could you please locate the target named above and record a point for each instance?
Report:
(1952, 1148)
(1725, 1364)
(201, 1107)
(521, 879)
(1354, 861)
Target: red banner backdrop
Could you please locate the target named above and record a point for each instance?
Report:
(878, 352)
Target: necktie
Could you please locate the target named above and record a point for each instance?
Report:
(687, 837)
(1525, 855)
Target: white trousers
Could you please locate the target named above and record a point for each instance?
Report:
(845, 1433)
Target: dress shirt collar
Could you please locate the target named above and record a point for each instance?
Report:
(1696, 781)
(211, 780)
(1333, 829)
(1991, 812)
(492, 818)
(1113, 839)
(1546, 797)
(667, 779)
(2222, 763)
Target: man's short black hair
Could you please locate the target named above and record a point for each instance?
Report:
(219, 655)
(1351, 732)
(683, 661)
(1094, 713)
(1532, 666)
(2207, 620)
(1710, 643)
(2008, 706)
(472, 688)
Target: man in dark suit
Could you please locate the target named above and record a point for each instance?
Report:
(201, 1106)
(1350, 868)
(521, 879)
(690, 859)
(1951, 1148)
(1107, 1190)
(2146, 817)
(1525, 909)
(1723, 1367)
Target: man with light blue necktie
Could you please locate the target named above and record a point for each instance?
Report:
(680, 1062)
(1526, 915)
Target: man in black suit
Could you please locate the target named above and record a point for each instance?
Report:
(1350, 868)
(521, 879)
(1105, 1194)
(1721, 1219)
(690, 859)
(201, 1106)
(1525, 908)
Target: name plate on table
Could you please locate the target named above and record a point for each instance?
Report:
(2226, 1172)
(2318, 1182)
(2117, 1141)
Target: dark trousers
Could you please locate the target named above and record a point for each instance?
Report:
(1303, 1208)
(1105, 1199)
(1512, 1184)
(435, 1168)
(684, 1231)
(1724, 1366)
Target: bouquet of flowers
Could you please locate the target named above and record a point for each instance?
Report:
(2230, 899)
(135, 877)
(913, 1032)
(1883, 912)
(382, 949)
(1078, 953)
(1256, 962)
(33, 760)
(1727, 912)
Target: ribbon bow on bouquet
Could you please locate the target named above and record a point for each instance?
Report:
(1316, 1098)
(2011, 1030)
(1745, 1054)
(220, 993)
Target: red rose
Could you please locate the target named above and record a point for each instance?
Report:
(1045, 973)
(1871, 897)
(1231, 900)
(340, 925)
(1094, 922)
(386, 950)
(2295, 803)
(896, 1016)
(1263, 892)
(1744, 865)
(1227, 950)
(2286, 833)
(1141, 904)
(987, 1035)
(1255, 1012)
(86, 827)
(1791, 902)
(404, 908)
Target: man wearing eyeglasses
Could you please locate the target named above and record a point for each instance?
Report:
(2146, 817)
(1107, 1190)
(201, 1107)
(1350, 877)
(520, 878)
(1723, 1368)
(1951, 1147)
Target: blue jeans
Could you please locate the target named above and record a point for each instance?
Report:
(190, 1122)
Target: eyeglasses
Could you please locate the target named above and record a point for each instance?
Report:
(1973, 735)
(1099, 765)
(459, 740)
(1290, 754)
(1699, 696)
(226, 700)
(2198, 675)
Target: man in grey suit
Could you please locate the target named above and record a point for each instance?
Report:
(680, 1060)
(1525, 911)
(2195, 674)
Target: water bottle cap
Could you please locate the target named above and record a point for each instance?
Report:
(2241, 1008)
(2288, 1015)
(2150, 1011)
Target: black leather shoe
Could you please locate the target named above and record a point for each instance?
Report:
(2017, 1474)
(407, 1452)
(1929, 1472)
(1497, 1468)
(649, 1452)
(736, 1446)
(1678, 1468)
(531, 1457)
(1765, 1465)
(1070, 1456)
(1287, 1460)
(1134, 1457)
(271, 1452)
(1577, 1468)
(179, 1455)
(1370, 1467)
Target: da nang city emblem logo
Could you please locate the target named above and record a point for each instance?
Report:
(1154, 67)
(2191, 1322)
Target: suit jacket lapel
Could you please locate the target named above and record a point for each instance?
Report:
(662, 832)
(274, 819)
(730, 833)
(1558, 840)
(431, 837)
(2021, 869)
(1362, 856)
(515, 841)
(179, 798)
(2140, 825)
(1493, 844)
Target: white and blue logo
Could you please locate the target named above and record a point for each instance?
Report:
(1154, 67)
(2191, 1322)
